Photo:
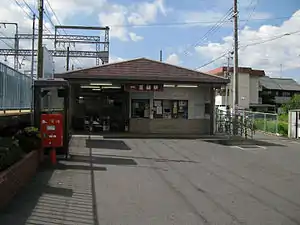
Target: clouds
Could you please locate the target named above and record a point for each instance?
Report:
(135, 37)
(104, 12)
(109, 13)
(210, 15)
(254, 53)
(173, 59)
(120, 17)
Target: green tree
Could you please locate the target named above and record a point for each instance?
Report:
(293, 103)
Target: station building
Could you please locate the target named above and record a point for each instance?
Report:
(143, 96)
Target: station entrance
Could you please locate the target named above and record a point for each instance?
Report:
(102, 107)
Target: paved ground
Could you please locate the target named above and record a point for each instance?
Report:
(164, 182)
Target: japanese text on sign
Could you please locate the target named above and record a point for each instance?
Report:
(144, 87)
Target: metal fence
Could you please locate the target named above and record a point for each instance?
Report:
(267, 122)
(232, 124)
(15, 89)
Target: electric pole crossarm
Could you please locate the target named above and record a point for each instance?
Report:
(81, 27)
(58, 53)
(60, 37)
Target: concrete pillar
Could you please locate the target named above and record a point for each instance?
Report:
(212, 112)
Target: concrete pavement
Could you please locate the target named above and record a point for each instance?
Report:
(163, 182)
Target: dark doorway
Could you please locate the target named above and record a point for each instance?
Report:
(105, 110)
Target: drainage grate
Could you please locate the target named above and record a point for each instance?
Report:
(107, 144)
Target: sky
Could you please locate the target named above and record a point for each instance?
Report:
(196, 34)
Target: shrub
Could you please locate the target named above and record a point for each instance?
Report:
(10, 152)
(283, 128)
(29, 139)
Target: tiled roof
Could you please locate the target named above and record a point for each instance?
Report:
(220, 71)
(143, 69)
(287, 84)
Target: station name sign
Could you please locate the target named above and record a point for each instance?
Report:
(144, 87)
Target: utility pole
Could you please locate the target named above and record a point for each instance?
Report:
(161, 56)
(68, 58)
(40, 40)
(235, 79)
(228, 77)
(32, 68)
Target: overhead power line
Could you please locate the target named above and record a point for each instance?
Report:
(271, 39)
(57, 19)
(211, 31)
(248, 45)
(251, 12)
(194, 23)
(32, 11)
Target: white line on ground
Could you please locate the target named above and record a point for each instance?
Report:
(237, 147)
(86, 136)
(263, 147)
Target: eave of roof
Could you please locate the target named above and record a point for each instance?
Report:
(194, 76)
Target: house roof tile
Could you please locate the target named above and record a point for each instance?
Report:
(286, 84)
(220, 71)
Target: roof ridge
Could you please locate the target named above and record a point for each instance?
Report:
(185, 68)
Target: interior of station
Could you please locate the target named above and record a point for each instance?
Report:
(99, 106)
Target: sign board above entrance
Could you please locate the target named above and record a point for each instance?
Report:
(144, 87)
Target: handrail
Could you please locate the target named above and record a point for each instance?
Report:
(6, 112)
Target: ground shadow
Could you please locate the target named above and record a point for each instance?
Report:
(39, 203)
(63, 166)
(20, 208)
(107, 144)
(244, 143)
(149, 158)
(65, 192)
(104, 160)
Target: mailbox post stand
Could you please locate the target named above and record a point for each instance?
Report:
(53, 123)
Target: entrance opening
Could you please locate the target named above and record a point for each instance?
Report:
(100, 109)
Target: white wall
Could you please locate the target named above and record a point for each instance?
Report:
(254, 89)
(244, 90)
(55, 101)
(197, 97)
(248, 91)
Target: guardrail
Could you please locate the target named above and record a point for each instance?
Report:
(15, 89)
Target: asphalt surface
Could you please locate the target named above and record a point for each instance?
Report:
(164, 182)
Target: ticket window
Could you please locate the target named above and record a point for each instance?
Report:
(170, 109)
(140, 108)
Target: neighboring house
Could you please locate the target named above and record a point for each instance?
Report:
(277, 91)
(256, 91)
(248, 87)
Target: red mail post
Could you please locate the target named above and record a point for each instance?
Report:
(52, 130)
